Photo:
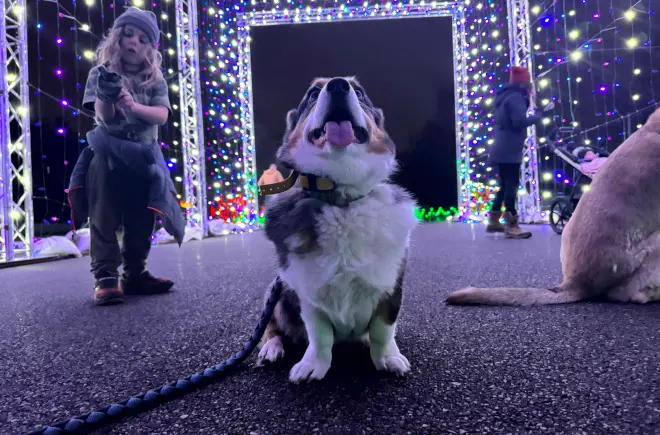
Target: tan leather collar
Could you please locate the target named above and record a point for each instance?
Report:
(307, 182)
(321, 188)
(282, 186)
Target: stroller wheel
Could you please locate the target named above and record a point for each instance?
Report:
(561, 211)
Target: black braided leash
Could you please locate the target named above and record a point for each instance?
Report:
(86, 423)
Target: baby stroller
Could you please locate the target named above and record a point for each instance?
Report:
(586, 160)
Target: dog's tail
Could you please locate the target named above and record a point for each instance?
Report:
(563, 294)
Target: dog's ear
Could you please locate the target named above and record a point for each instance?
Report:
(379, 118)
(291, 120)
(283, 155)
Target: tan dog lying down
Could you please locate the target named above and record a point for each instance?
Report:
(611, 245)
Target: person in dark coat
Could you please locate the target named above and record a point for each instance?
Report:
(121, 178)
(511, 122)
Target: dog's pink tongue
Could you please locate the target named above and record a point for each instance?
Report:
(339, 134)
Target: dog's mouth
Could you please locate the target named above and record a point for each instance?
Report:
(339, 131)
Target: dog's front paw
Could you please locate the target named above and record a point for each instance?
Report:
(309, 369)
(395, 363)
(272, 351)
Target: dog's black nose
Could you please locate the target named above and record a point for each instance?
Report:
(338, 86)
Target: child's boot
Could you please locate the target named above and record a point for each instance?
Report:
(107, 291)
(144, 284)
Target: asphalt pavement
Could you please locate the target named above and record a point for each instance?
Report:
(588, 368)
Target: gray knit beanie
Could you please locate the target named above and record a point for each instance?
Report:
(143, 20)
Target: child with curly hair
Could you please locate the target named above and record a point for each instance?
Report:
(121, 178)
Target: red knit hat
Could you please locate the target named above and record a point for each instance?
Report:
(519, 74)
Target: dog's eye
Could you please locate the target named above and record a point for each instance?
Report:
(359, 94)
(314, 95)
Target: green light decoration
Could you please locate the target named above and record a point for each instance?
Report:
(433, 214)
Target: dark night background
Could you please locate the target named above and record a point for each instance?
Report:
(407, 70)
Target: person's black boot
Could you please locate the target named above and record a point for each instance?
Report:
(145, 284)
(107, 291)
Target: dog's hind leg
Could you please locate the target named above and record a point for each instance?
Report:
(272, 346)
(643, 285)
(285, 322)
(384, 351)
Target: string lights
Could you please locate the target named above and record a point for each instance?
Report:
(488, 63)
(231, 183)
(594, 60)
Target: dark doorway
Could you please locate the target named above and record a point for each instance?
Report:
(407, 70)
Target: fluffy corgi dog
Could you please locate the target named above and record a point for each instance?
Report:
(340, 230)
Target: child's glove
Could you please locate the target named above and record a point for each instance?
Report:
(109, 86)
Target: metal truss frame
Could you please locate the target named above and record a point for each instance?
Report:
(529, 203)
(16, 215)
(359, 13)
(192, 131)
(461, 109)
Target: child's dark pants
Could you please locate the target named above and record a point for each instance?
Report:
(118, 198)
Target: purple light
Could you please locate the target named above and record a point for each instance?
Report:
(59, 41)
(64, 103)
(58, 72)
(60, 131)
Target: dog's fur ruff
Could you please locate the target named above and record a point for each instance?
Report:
(611, 245)
(342, 267)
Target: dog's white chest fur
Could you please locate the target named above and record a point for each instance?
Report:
(358, 259)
